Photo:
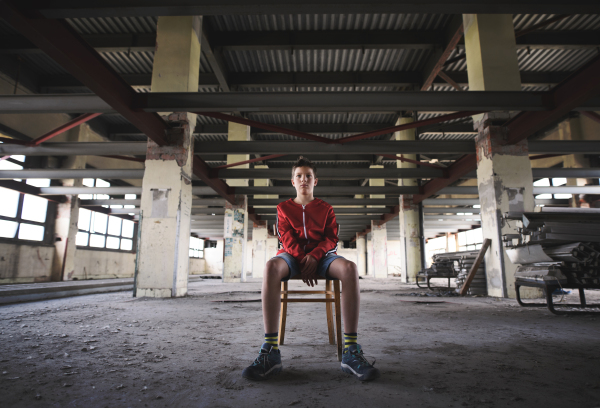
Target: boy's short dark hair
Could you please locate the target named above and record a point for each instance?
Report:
(304, 162)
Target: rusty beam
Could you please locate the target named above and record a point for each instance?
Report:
(272, 156)
(592, 115)
(458, 169)
(569, 94)
(265, 126)
(437, 119)
(65, 46)
(449, 80)
(64, 127)
(454, 33)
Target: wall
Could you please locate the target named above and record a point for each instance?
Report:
(197, 266)
(214, 259)
(395, 267)
(102, 265)
(25, 263)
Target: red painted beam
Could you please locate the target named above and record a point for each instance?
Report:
(272, 156)
(65, 46)
(458, 169)
(452, 43)
(404, 159)
(63, 128)
(265, 126)
(592, 115)
(572, 92)
(413, 125)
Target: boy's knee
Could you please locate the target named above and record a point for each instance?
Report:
(273, 269)
(351, 270)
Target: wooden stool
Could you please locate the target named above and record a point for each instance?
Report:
(330, 297)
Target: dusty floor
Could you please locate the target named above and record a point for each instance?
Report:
(110, 350)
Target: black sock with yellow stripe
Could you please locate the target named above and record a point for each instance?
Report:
(349, 340)
(272, 339)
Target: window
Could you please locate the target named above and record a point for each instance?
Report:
(547, 182)
(470, 240)
(22, 216)
(196, 247)
(98, 230)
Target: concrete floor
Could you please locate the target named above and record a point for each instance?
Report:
(110, 350)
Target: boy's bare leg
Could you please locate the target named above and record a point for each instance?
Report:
(347, 272)
(275, 270)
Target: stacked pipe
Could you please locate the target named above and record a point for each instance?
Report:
(561, 247)
(462, 263)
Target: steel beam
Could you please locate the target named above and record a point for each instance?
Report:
(571, 93)
(339, 101)
(447, 210)
(63, 44)
(331, 200)
(64, 83)
(453, 217)
(452, 34)
(291, 102)
(331, 174)
(451, 201)
(285, 147)
(131, 8)
(72, 173)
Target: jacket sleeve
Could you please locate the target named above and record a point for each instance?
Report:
(330, 243)
(288, 237)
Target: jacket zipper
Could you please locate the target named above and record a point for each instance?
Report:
(304, 224)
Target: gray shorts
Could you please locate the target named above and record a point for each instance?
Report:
(322, 267)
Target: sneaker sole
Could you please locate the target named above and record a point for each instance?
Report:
(370, 376)
(274, 370)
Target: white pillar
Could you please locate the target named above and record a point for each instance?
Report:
(361, 250)
(235, 232)
(379, 260)
(260, 233)
(410, 230)
(163, 258)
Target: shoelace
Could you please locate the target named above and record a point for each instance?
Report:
(364, 360)
(261, 359)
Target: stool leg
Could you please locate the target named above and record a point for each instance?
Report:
(283, 312)
(329, 308)
(338, 318)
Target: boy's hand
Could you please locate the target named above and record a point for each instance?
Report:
(308, 270)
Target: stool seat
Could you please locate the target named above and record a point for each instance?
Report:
(331, 296)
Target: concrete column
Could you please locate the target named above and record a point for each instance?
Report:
(260, 233)
(234, 271)
(504, 175)
(67, 214)
(491, 50)
(369, 238)
(410, 232)
(380, 254)
(410, 241)
(361, 251)
(505, 184)
(163, 258)
(376, 183)
(235, 233)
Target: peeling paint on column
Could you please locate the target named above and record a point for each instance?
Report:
(235, 233)
(379, 260)
(163, 265)
(505, 184)
(410, 239)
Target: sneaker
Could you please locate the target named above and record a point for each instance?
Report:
(355, 363)
(266, 364)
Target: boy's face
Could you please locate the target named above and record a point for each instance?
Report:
(304, 180)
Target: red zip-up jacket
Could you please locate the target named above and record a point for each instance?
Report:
(307, 229)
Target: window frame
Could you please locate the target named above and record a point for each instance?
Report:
(48, 224)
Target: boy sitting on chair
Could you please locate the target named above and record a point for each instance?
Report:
(308, 235)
